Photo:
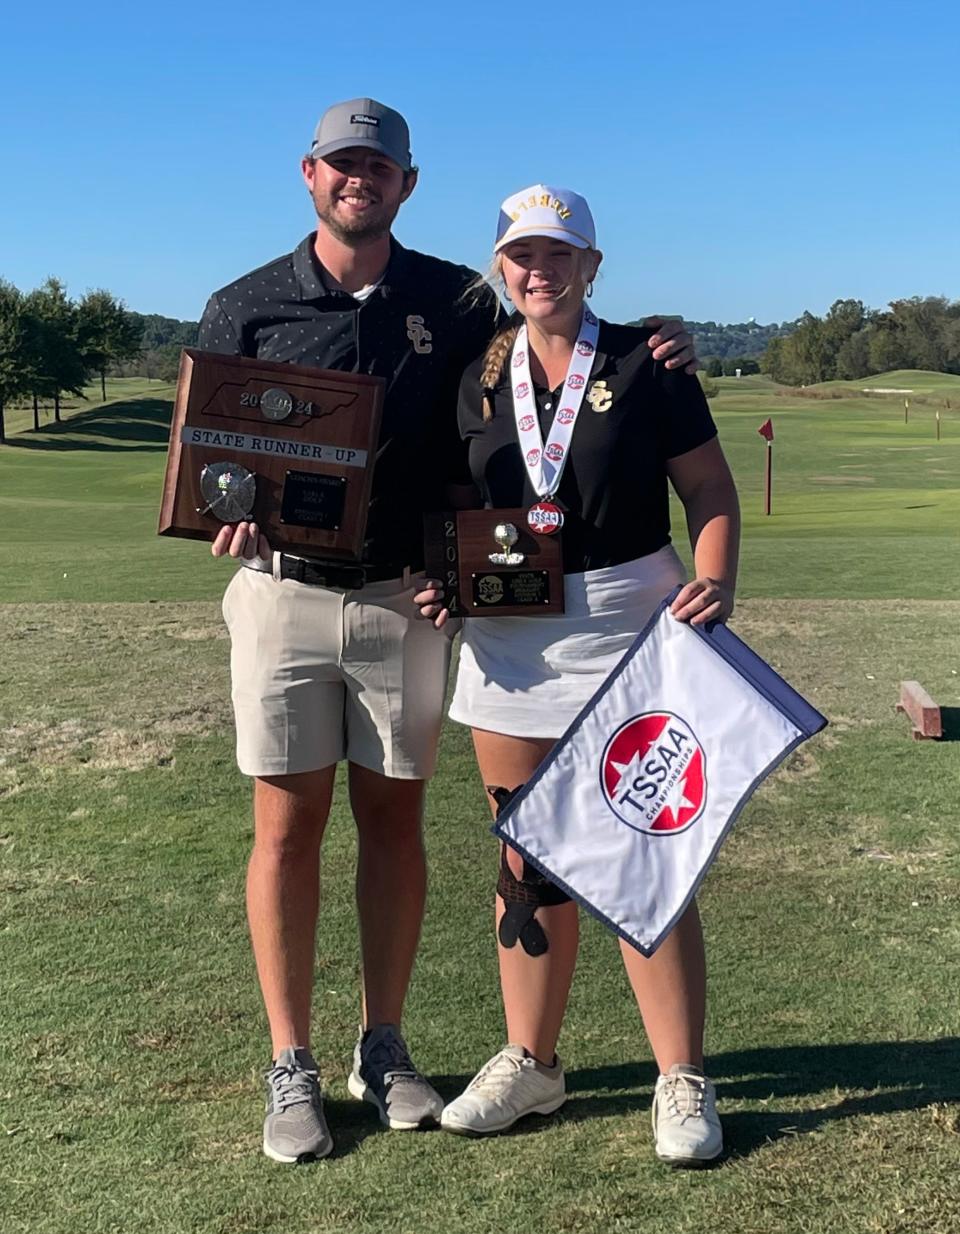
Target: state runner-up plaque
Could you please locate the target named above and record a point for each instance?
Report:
(291, 448)
(492, 565)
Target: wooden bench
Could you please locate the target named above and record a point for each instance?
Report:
(923, 711)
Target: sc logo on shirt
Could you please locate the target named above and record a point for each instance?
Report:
(419, 335)
(599, 396)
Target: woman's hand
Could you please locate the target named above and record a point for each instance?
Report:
(241, 540)
(429, 600)
(703, 600)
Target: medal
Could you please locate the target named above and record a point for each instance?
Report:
(544, 518)
(545, 461)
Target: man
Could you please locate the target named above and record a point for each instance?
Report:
(324, 669)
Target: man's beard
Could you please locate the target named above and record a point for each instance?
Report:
(356, 229)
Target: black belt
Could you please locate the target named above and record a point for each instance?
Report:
(335, 573)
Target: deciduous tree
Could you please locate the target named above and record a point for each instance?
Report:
(57, 360)
(108, 334)
(13, 375)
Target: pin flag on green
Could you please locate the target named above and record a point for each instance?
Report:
(766, 432)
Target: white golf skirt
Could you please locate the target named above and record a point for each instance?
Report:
(530, 676)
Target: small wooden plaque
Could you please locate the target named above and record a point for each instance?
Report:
(458, 544)
(309, 437)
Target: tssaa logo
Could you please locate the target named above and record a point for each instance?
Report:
(653, 774)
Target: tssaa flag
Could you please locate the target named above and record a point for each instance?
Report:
(631, 806)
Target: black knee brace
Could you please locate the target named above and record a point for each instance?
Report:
(523, 896)
(502, 796)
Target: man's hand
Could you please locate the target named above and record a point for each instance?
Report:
(429, 600)
(241, 540)
(672, 343)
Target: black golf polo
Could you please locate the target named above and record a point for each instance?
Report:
(418, 329)
(636, 415)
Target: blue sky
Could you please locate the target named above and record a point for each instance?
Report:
(742, 160)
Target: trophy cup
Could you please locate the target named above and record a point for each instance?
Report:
(506, 535)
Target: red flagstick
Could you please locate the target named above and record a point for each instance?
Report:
(766, 432)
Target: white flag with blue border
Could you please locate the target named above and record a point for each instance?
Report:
(631, 806)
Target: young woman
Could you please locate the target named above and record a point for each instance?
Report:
(573, 418)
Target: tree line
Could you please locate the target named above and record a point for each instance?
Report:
(736, 341)
(722, 349)
(852, 341)
(163, 340)
(51, 345)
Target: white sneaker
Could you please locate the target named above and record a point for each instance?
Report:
(506, 1088)
(686, 1128)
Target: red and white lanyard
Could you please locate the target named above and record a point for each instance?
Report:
(545, 463)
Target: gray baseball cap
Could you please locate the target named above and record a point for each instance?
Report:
(363, 122)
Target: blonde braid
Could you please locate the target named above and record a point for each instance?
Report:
(495, 358)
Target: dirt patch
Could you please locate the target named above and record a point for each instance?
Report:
(849, 658)
(108, 687)
(100, 748)
(198, 635)
(843, 479)
(801, 765)
(913, 862)
(112, 688)
(778, 625)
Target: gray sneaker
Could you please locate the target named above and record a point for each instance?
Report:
(295, 1129)
(384, 1075)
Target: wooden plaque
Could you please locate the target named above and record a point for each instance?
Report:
(457, 551)
(308, 437)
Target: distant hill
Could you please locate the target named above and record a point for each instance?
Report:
(745, 338)
(164, 336)
(163, 339)
(900, 381)
(166, 331)
(736, 340)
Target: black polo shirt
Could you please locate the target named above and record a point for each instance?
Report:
(636, 414)
(417, 329)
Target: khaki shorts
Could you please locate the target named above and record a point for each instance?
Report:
(319, 675)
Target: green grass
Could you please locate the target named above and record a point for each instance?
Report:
(132, 1032)
(916, 381)
(864, 505)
